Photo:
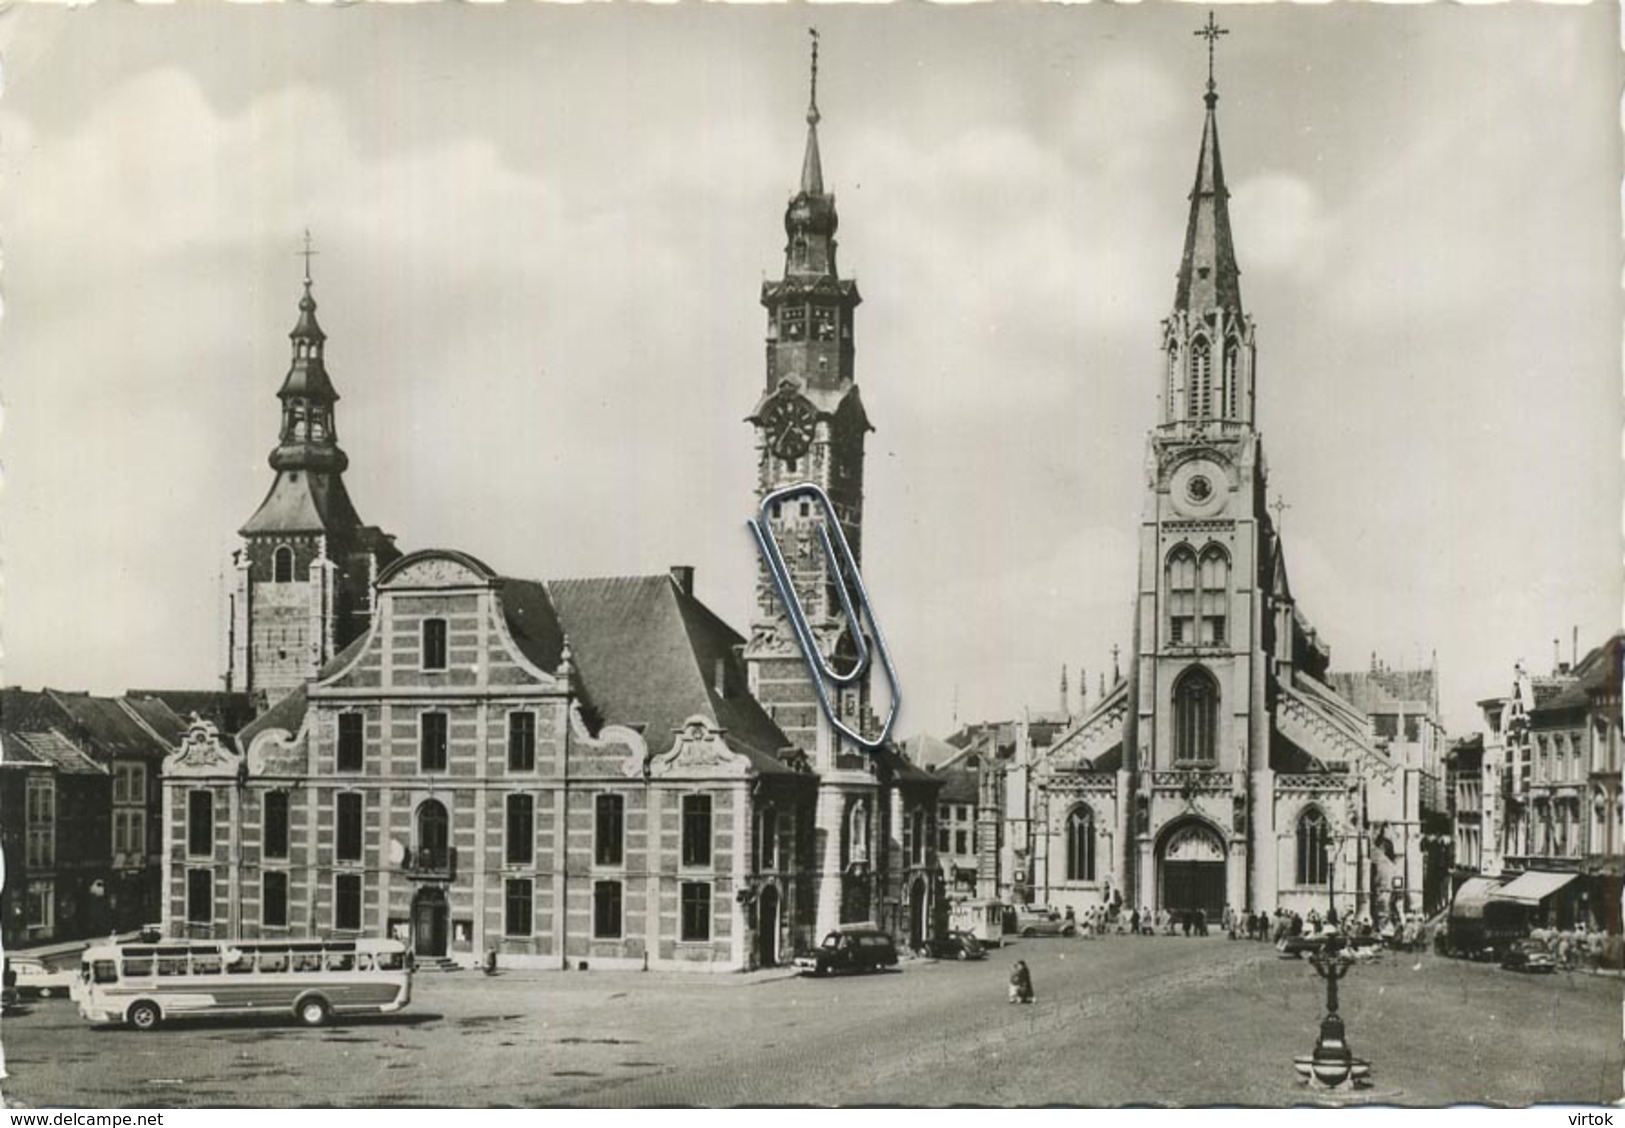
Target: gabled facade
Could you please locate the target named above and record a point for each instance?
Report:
(564, 773)
(1222, 770)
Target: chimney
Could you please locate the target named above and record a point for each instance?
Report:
(1557, 656)
(683, 576)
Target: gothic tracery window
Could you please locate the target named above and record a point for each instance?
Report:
(1231, 408)
(1199, 388)
(1196, 716)
(1314, 855)
(1080, 845)
(1182, 596)
(1215, 596)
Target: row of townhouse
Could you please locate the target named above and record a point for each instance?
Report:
(565, 773)
(81, 808)
(1536, 803)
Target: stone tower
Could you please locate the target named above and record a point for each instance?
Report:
(810, 427)
(305, 570)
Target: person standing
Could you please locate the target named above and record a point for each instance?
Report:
(1134, 922)
(1021, 983)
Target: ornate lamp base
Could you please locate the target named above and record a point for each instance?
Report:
(1333, 1065)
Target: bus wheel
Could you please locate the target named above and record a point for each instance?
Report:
(144, 1015)
(313, 1011)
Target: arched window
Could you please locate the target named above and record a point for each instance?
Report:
(1080, 845)
(1199, 389)
(1232, 410)
(857, 833)
(282, 565)
(767, 839)
(1196, 716)
(1182, 596)
(1215, 595)
(1314, 855)
(1172, 379)
(434, 835)
(914, 836)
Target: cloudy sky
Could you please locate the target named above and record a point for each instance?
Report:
(542, 231)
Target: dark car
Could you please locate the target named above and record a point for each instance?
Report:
(956, 945)
(850, 949)
(1529, 955)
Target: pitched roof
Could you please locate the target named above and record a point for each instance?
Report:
(56, 750)
(926, 751)
(287, 714)
(1597, 672)
(647, 654)
(1381, 690)
(227, 711)
(960, 782)
(312, 501)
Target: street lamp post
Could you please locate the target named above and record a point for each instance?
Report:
(1332, 1064)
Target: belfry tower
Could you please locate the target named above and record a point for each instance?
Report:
(810, 427)
(1199, 718)
(304, 573)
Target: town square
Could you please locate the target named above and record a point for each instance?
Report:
(498, 616)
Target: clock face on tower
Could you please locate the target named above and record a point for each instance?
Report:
(1199, 488)
(788, 423)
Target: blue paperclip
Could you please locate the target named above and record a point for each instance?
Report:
(844, 567)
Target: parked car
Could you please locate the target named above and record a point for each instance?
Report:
(1041, 920)
(956, 945)
(36, 979)
(1529, 955)
(848, 950)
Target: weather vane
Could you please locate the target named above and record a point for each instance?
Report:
(307, 253)
(1211, 32)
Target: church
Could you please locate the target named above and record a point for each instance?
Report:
(567, 773)
(1222, 769)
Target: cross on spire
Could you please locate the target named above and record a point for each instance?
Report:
(1280, 506)
(307, 252)
(1211, 32)
(812, 98)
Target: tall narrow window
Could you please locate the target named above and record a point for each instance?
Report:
(1080, 845)
(41, 818)
(1314, 860)
(916, 837)
(432, 738)
(200, 823)
(276, 824)
(434, 644)
(1231, 408)
(1171, 378)
(352, 742)
(517, 913)
(606, 910)
(282, 565)
(521, 829)
(857, 833)
(767, 839)
(522, 741)
(347, 902)
(274, 899)
(434, 835)
(1215, 598)
(1182, 597)
(695, 922)
(1199, 389)
(1196, 716)
(347, 846)
(609, 830)
(200, 896)
(696, 830)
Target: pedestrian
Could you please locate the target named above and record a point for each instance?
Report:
(1134, 922)
(1148, 923)
(1185, 923)
(1021, 983)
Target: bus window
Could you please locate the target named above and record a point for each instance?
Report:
(391, 961)
(340, 961)
(239, 962)
(206, 963)
(172, 963)
(105, 971)
(307, 961)
(363, 961)
(273, 961)
(137, 968)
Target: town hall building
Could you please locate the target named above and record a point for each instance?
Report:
(570, 773)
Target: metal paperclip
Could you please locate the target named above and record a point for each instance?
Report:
(844, 567)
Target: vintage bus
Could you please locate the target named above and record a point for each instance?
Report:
(143, 984)
(982, 919)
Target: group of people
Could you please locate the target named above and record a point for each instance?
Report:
(1576, 947)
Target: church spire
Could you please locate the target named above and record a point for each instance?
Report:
(308, 440)
(812, 168)
(1208, 278)
(810, 220)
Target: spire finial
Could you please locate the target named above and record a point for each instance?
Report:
(307, 253)
(1211, 32)
(812, 96)
(1280, 505)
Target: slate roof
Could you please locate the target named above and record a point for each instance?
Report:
(56, 750)
(1591, 678)
(646, 653)
(960, 783)
(288, 714)
(307, 501)
(227, 711)
(106, 729)
(928, 752)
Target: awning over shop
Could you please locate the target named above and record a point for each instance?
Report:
(1533, 887)
(1472, 897)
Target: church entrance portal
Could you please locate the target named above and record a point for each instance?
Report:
(1191, 864)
